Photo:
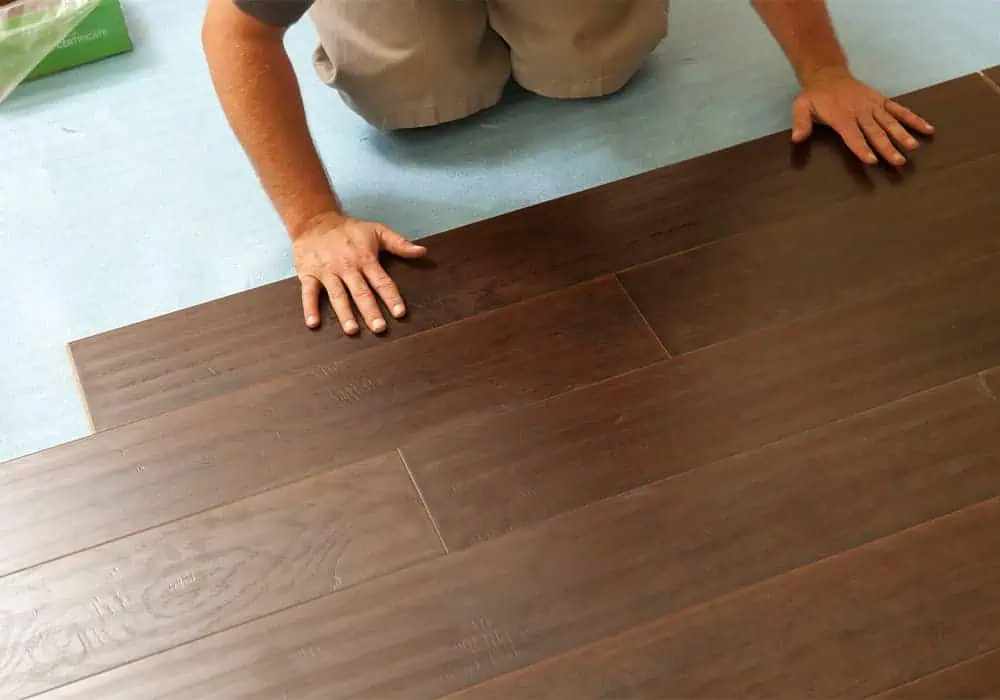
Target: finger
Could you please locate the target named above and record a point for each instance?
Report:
(341, 304)
(880, 141)
(909, 118)
(385, 288)
(397, 245)
(895, 130)
(802, 122)
(855, 140)
(365, 301)
(311, 288)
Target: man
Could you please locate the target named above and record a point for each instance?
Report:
(415, 63)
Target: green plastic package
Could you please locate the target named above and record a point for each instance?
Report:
(39, 37)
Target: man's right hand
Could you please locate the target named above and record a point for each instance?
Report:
(340, 254)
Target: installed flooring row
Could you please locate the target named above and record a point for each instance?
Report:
(764, 465)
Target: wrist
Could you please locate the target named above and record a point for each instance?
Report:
(823, 73)
(304, 218)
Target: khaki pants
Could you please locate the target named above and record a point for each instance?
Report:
(411, 63)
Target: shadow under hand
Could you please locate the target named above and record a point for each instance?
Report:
(824, 140)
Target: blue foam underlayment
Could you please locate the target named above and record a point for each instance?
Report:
(123, 196)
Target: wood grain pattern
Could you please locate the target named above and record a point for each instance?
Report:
(831, 255)
(975, 678)
(195, 354)
(470, 616)
(869, 619)
(98, 609)
(486, 478)
(143, 474)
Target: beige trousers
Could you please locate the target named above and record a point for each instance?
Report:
(412, 63)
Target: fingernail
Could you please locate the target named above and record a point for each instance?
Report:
(350, 327)
(398, 310)
(378, 325)
(312, 320)
(872, 158)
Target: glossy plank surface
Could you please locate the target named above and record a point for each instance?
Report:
(98, 609)
(195, 354)
(147, 473)
(486, 478)
(831, 255)
(868, 619)
(470, 616)
(975, 678)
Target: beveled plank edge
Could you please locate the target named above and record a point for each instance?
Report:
(992, 77)
(423, 501)
(944, 670)
(642, 317)
(428, 240)
(725, 597)
(84, 403)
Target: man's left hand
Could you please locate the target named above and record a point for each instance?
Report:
(866, 120)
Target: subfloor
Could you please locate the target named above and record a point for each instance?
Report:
(123, 195)
(724, 429)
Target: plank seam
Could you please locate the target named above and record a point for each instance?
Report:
(989, 81)
(312, 474)
(642, 316)
(725, 597)
(932, 674)
(423, 500)
(984, 385)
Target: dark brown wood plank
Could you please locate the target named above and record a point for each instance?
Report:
(470, 616)
(209, 350)
(834, 254)
(991, 381)
(975, 678)
(98, 609)
(844, 627)
(993, 74)
(491, 476)
(147, 473)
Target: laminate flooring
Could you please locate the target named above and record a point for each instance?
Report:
(993, 74)
(729, 428)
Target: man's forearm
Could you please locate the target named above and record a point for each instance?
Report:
(259, 93)
(804, 30)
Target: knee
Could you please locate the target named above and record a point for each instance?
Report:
(591, 48)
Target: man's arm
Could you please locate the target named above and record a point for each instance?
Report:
(259, 93)
(866, 120)
(804, 30)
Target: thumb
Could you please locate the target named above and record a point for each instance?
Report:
(310, 300)
(397, 245)
(802, 121)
